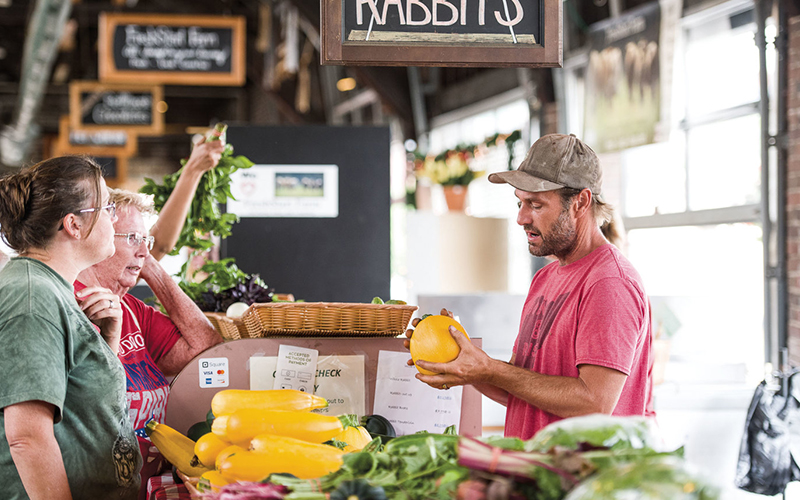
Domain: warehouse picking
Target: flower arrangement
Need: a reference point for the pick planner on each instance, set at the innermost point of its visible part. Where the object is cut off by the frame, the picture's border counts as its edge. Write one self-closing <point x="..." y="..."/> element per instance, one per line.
<point x="453" y="166"/>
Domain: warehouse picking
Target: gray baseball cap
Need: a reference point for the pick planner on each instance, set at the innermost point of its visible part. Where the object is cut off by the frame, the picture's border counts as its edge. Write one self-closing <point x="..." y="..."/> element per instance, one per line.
<point x="553" y="162"/>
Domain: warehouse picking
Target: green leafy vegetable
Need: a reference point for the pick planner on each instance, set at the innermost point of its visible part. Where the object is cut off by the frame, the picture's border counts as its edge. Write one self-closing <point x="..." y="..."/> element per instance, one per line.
<point x="205" y="217"/>
<point x="224" y="284"/>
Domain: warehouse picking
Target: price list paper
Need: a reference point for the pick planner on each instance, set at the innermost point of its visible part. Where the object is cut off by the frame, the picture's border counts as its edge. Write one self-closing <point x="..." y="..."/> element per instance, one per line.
<point x="409" y="404"/>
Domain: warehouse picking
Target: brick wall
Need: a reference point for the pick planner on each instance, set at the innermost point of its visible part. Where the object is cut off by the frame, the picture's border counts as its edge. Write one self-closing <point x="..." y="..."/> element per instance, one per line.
<point x="793" y="189"/>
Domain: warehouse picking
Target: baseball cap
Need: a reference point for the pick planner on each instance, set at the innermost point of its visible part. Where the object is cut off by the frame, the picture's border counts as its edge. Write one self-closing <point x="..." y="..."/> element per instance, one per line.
<point x="553" y="162"/>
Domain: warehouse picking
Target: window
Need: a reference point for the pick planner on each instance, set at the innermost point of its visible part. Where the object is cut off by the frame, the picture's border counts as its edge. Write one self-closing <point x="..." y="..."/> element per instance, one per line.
<point x="690" y="205"/>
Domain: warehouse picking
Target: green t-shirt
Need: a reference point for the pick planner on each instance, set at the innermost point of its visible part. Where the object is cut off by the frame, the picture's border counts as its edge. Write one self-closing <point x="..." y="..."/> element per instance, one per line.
<point x="50" y="351"/>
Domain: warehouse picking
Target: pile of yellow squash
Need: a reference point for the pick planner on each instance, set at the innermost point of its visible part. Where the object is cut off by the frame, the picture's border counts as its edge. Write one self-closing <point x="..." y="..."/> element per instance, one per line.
<point x="258" y="433"/>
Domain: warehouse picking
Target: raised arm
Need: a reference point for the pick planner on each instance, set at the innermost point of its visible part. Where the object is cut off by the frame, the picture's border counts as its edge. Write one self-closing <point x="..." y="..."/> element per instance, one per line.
<point x="167" y="228"/>
<point x="35" y="451"/>
<point x="197" y="333"/>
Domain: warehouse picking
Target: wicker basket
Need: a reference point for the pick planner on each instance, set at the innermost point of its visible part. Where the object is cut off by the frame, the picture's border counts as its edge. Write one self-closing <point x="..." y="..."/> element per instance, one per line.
<point x="228" y="328"/>
<point x="327" y="319"/>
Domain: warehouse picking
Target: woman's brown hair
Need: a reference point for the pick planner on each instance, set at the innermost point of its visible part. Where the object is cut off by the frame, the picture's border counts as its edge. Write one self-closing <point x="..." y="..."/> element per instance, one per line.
<point x="34" y="201"/>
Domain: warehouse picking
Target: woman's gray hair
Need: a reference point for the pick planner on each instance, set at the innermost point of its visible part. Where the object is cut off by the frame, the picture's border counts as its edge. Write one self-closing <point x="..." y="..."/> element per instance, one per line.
<point x="123" y="198"/>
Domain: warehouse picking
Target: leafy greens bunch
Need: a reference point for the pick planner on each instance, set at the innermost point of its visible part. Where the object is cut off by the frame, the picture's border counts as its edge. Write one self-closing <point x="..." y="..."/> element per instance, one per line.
<point x="224" y="284"/>
<point x="568" y="460"/>
<point x="412" y="467"/>
<point x="205" y="217"/>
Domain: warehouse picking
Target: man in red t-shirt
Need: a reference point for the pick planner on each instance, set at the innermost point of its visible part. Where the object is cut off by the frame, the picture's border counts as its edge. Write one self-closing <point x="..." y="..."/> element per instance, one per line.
<point x="584" y="343"/>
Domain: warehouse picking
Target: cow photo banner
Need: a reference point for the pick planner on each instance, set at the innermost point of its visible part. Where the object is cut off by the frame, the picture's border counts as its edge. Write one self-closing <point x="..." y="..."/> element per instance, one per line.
<point x="623" y="81"/>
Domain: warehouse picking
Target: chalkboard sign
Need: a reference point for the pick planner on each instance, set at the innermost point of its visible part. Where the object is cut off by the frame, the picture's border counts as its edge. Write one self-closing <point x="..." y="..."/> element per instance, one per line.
<point x="489" y="33"/>
<point x="115" y="167"/>
<point x="95" y="105"/>
<point x="177" y="49"/>
<point x="102" y="142"/>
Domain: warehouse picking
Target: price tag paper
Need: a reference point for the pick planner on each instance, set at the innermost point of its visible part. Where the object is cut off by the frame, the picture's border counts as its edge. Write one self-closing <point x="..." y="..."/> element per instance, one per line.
<point x="407" y="403"/>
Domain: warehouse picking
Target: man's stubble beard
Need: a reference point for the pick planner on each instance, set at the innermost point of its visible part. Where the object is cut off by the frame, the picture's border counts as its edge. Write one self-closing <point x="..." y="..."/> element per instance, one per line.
<point x="561" y="238"/>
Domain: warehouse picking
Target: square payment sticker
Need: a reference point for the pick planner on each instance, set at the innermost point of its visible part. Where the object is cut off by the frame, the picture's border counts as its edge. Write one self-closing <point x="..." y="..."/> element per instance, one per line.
<point x="213" y="372"/>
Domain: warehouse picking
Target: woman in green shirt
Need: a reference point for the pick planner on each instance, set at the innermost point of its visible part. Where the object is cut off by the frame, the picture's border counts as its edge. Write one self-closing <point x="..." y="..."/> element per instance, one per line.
<point x="64" y="429"/>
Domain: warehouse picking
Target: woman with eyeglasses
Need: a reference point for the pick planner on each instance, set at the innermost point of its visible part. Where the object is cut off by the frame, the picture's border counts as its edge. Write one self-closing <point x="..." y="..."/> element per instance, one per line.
<point x="64" y="421"/>
<point x="153" y="345"/>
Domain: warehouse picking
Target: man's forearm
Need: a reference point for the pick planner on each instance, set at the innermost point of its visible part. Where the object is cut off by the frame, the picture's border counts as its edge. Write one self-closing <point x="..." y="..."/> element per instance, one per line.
<point x="559" y="395"/>
<point x="493" y="392"/>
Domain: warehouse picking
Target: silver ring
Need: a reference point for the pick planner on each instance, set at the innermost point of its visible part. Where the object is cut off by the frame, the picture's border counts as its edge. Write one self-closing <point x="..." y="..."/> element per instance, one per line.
<point x="110" y="304"/>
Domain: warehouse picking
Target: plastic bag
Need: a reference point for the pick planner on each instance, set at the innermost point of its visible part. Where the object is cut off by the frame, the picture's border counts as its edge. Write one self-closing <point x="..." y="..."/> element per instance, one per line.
<point x="598" y="430"/>
<point x="771" y="442"/>
<point x="651" y="479"/>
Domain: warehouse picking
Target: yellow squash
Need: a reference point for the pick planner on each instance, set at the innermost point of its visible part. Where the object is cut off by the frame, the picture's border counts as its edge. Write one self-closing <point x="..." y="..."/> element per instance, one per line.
<point x="230" y="450"/>
<point x="245" y="424"/>
<point x="228" y="401"/>
<point x="211" y="481"/>
<point x="175" y="447"/>
<point x="355" y="437"/>
<point x="207" y="448"/>
<point x="219" y="427"/>
<point x="432" y="341"/>
<point x="273" y="454"/>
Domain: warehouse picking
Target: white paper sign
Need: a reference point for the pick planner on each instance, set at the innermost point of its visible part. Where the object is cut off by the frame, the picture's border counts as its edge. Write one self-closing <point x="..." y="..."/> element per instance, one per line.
<point x="407" y="403"/>
<point x="340" y="380"/>
<point x="296" y="368"/>
<point x="285" y="191"/>
<point x="213" y="372"/>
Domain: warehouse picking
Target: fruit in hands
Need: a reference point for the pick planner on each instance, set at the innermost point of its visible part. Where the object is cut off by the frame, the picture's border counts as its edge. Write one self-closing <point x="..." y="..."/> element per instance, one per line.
<point x="431" y="341"/>
<point x="228" y="401"/>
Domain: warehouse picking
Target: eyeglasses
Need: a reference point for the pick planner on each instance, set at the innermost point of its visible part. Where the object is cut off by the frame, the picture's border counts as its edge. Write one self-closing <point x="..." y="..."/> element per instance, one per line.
<point x="136" y="239"/>
<point x="111" y="208"/>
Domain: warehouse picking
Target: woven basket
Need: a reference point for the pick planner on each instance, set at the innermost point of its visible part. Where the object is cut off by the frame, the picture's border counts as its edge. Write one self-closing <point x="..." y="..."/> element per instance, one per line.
<point x="327" y="319"/>
<point x="228" y="328"/>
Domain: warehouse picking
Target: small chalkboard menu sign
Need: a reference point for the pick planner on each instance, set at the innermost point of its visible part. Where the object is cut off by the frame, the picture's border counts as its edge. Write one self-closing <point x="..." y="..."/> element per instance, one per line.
<point x="115" y="168"/>
<point x="109" y="106"/>
<point x="172" y="49"/>
<point x="93" y="142"/>
<point x="488" y="33"/>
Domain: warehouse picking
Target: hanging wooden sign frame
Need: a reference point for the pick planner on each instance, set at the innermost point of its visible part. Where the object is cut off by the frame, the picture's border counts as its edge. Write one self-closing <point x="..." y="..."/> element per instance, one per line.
<point x="172" y="49"/>
<point x="66" y="146"/>
<point x="480" y="33"/>
<point x="116" y="106"/>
